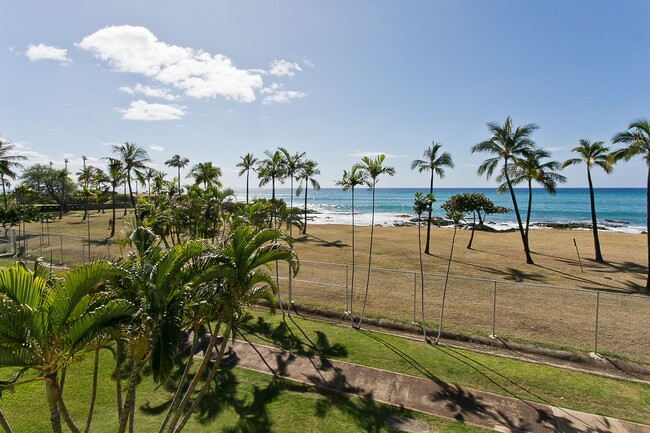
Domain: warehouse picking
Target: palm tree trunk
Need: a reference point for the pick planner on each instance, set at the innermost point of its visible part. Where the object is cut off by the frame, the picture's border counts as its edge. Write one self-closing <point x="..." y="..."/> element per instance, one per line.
<point x="179" y="179"/>
<point x="304" y="227"/>
<point x="471" y="237"/>
<point x="4" y="423"/>
<point x="183" y="380"/>
<point x="352" y="283"/>
<point x="208" y="381"/>
<point x="444" y="290"/>
<point x="125" y="202"/>
<point x="129" y="401"/>
<point x="530" y="205"/>
<point x="647" y="284"/>
<point x="426" y="248"/>
<point x="51" y="392"/>
<point x="372" y="231"/>
<point x="128" y="181"/>
<point x="118" y="379"/>
<point x="424" y="328"/>
<point x="93" y="394"/>
<point x="594" y="221"/>
<point x="197" y="376"/>
<point x="4" y="192"/>
<point x="113" y="220"/>
<point x="248" y="172"/>
<point x="524" y="239"/>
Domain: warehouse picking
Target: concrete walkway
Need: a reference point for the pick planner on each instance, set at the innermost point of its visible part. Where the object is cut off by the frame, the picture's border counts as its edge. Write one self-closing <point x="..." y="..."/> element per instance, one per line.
<point x="500" y="413"/>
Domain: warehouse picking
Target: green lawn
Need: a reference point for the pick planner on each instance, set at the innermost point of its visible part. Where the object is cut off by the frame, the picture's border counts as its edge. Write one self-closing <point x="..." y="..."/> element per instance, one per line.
<point x="529" y="381"/>
<point x="241" y="401"/>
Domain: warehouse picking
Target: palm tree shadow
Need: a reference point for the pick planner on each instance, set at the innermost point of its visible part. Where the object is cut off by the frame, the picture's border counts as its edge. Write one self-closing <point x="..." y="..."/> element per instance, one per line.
<point x="314" y="239"/>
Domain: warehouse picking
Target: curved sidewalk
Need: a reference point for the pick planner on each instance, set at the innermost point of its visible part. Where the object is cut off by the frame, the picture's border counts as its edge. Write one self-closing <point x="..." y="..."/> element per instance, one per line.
<point x="436" y="398"/>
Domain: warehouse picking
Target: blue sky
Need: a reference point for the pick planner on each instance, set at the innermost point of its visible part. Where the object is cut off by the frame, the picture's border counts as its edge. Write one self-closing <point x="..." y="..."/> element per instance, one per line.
<point x="213" y="80"/>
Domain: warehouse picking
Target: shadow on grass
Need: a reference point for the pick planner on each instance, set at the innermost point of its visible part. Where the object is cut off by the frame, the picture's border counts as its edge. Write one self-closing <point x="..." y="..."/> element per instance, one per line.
<point x="322" y="242"/>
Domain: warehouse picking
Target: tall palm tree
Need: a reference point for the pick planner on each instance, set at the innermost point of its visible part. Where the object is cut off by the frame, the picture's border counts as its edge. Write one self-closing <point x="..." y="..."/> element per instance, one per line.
<point x="146" y="176"/>
<point x="436" y="164"/>
<point x="292" y="164"/>
<point x="178" y="162"/>
<point x="637" y="137"/>
<point x="422" y="203"/>
<point x="592" y="154"/>
<point x="134" y="158"/>
<point x="84" y="176"/>
<point x="247" y="164"/>
<point x="507" y="143"/>
<point x="45" y="323"/>
<point x="242" y="265"/>
<point x="531" y="168"/>
<point x="351" y="179"/>
<point x="373" y="169"/>
<point x="8" y="163"/>
<point x="205" y="173"/>
<point x="306" y="174"/>
<point x="271" y="169"/>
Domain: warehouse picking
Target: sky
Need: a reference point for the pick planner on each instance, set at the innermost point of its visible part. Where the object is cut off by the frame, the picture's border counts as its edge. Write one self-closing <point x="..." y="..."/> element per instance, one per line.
<point x="213" y="80"/>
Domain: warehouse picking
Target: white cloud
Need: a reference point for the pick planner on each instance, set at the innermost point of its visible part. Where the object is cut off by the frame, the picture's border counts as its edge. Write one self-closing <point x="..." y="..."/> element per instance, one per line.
<point x="276" y="93"/>
<point x="46" y="52"/>
<point x="153" y="92"/>
<point x="195" y="72"/>
<point x="142" y="110"/>
<point x="156" y="147"/>
<point x="282" y="67"/>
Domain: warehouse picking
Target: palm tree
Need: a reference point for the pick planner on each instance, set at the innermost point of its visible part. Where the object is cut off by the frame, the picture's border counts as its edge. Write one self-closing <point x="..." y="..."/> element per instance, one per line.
<point x="306" y="174"/>
<point x="134" y="158"/>
<point x="436" y="164"/>
<point x="205" y="173"/>
<point x="422" y="203"/>
<point x="84" y="176"/>
<point x="46" y="323"/>
<point x="242" y="267"/>
<point x="530" y="168"/>
<point x="271" y="169"/>
<point x="146" y="176"/>
<point x="637" y="137"/>
<point x="354" y="177"/>
<point x="178" y="162"/>
<point x="115" y="174"/>
<point x="506" y="144"/>
<point x="373" y="169"/>
<point x="247" y="164"/>
<point x="592" y="154"/>
<point x="8" y="162"/>
<point x="292" y="163"/>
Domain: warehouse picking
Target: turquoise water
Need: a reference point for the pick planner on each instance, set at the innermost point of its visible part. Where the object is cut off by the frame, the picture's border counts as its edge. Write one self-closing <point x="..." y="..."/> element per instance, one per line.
<point x="622" y="209"/>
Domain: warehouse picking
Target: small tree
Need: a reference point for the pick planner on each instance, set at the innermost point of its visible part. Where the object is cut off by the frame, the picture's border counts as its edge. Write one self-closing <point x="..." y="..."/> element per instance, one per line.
<point x="475" y="203"/>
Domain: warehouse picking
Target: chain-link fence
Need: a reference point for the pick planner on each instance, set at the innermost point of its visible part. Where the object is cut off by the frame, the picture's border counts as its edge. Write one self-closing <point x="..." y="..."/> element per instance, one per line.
<point x="578" y="320"/>
<point x="609" y="323"/>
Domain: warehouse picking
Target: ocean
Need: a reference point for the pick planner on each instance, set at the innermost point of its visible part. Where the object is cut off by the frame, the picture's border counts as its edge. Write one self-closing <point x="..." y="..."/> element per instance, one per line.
<point x="617" y="209"/>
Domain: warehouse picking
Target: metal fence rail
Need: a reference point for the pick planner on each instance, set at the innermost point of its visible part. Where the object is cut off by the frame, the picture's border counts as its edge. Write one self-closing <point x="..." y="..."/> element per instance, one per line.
<point x="579" y="320"/>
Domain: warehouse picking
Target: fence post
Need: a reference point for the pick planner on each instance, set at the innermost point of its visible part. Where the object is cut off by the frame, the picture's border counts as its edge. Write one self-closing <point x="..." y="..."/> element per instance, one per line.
<point x="415" y="283"/>
<point x="494" y="311"/>
<point x="596" y="329"/>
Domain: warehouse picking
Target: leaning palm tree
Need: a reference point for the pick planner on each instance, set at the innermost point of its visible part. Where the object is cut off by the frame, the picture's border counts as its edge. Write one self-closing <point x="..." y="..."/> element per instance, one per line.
<point x="247" y="164"/>
<point x="133" y="158"/>
<point x="178" y="162"/>
<point x="436" y="164"/>
<point x="592" y="154"/>
<point x="306" y="174"/>
<point x="242" y="265"/>
<point x="8" y="163"/>
<point x="45" y="324"/>
<point x="373" y="169"/>
<point x="637" y="137"/>
<point x="206" y="173"/>
<point x="507" y="143"/>
<point x="354" y="177"/>
<point x="531" y="168"/>
<point x="421" y="203"/>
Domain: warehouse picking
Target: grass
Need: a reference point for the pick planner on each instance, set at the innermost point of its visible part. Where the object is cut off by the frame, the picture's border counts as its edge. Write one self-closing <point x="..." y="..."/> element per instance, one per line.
<point x="240" y="401"/>
<point x="524" y="380"/>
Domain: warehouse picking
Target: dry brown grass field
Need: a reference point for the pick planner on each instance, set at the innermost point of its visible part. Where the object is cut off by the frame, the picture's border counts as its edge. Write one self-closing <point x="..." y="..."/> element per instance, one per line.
<point x="527" y="308"/>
